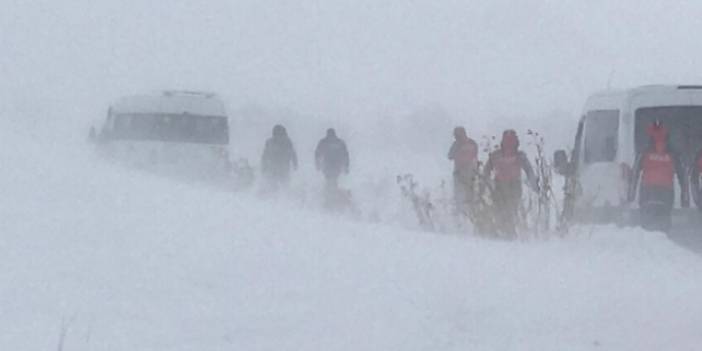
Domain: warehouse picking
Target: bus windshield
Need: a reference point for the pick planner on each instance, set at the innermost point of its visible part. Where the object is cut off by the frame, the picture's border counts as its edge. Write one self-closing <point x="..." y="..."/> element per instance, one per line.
<point x="684" y="124"/>
<point x="184" y="128"/>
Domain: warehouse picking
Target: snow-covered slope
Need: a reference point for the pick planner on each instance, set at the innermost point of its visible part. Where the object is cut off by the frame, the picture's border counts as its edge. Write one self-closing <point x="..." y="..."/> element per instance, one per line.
<point x="127" y="261"/>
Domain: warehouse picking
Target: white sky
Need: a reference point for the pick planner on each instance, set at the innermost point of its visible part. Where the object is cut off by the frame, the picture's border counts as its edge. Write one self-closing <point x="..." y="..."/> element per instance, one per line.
<point x="343" y="58"/>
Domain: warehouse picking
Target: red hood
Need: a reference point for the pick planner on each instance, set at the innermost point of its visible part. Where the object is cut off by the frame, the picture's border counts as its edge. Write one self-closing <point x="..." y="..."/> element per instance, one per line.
<point x="659" y="135"/>
<point x="510" y="142"/>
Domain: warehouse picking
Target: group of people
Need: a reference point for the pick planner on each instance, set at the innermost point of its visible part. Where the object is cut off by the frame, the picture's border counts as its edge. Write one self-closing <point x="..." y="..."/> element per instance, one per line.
<point x="280" y="159"/>
<point x="653" y="175"/>
<point x="502" y="173"/>
<point x="653" y="178"/>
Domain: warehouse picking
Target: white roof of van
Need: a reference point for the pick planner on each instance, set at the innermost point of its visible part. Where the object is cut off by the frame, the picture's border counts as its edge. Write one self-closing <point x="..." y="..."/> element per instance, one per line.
<point x="609" y="99"/>
<point x="652" y="88"/>
<point x="613" y="99"/>
<point x="171" y="102"/>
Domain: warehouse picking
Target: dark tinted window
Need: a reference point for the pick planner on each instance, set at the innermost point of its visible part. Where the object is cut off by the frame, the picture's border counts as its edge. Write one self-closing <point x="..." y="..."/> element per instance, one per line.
<point x="173" y="128"/>
<point x="601" y="134"/>
<point x="684" y="124"/>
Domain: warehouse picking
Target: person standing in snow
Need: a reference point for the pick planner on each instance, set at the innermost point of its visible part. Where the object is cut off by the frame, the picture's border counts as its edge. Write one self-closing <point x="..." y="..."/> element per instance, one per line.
<point x="656" y="167"/>
<point x="279" y="159"/>
<point x="464" y="154"/>
<point x="332" y="158"/>
<point x="507" y="164"/>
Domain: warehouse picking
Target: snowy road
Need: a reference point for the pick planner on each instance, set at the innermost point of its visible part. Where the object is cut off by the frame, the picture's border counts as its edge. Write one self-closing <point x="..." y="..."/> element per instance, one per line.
<point x="96" y="257"/>
<point x="130" y="261"/>
<point x="690" y="239"/>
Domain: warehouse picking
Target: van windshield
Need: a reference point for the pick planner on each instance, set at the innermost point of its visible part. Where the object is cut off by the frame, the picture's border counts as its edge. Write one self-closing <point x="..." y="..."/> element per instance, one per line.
<point x="684" y="124"/>
<point x="172" y="128"/>
<point x="601" y="130"/>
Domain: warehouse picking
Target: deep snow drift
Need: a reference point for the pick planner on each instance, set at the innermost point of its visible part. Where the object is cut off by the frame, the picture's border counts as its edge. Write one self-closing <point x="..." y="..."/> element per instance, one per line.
<point x="128" y="261"/>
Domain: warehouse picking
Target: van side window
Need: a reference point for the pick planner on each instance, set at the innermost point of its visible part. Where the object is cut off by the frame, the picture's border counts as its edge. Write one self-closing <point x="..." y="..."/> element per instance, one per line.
<point x="601" y="135"/>
<point x="684" y="128"/>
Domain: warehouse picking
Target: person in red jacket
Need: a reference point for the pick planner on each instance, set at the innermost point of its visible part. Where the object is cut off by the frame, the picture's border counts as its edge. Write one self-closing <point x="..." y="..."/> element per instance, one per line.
<point x="464" y="154"/>
<point x="507" y="164"/>
<point x="656" y="168"/>
<point x="696" y="179"/>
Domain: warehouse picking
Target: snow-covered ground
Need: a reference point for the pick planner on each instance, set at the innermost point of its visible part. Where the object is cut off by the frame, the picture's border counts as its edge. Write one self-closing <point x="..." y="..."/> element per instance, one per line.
<point x="124" y="260"/>
<point x="117" y="259"/>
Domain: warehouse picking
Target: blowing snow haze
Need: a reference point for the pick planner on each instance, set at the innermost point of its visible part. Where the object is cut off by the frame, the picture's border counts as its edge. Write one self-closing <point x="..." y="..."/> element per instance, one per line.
<point x="343" y="60"/>
<point x="98" y="256"/>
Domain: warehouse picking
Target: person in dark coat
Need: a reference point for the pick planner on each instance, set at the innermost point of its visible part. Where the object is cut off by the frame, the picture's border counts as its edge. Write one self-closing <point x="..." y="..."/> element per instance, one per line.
<point x="507" y="164"/>
<point x="279" y="159"/>
<point x="332" y="158"/>
<point x="464" y="154"/>
<point x="657" y="167"/>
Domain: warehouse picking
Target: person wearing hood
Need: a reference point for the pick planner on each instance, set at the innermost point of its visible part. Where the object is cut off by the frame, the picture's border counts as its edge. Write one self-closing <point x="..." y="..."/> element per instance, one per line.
<point x="507" y="164"/>
<point x="655" y="168"/>
<point x="332" y="158"/>
<point x="464" y="154"/>
<point x="279" y="158"/>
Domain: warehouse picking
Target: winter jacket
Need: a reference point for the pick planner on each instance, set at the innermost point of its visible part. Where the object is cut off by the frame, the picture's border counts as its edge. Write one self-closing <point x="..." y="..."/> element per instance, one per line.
<point x="278" y="157"/>
<point x="332" y="156"/>
<point x="657" y="170"/>
<point x="508" y="167"/>
<point x="464" y="154"/>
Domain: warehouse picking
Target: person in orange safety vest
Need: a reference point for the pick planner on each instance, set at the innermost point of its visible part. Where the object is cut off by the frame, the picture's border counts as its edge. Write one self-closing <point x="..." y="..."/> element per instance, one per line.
<point x="655" y="168"/>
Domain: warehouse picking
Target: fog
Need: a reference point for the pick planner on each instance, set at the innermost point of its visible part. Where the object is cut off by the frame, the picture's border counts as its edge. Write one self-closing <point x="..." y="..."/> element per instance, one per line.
<point x="103" y="257"/>
<point x="486" y="63"/>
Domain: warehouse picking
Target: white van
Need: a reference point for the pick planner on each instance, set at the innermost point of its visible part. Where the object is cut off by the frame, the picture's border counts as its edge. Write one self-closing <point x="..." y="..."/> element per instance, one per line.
<point x="610" y="133"/>
<point x="181" y="133"/>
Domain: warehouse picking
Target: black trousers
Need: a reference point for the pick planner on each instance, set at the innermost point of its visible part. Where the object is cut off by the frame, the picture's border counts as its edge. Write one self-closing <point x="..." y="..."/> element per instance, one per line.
<point x="656" y="207"/>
